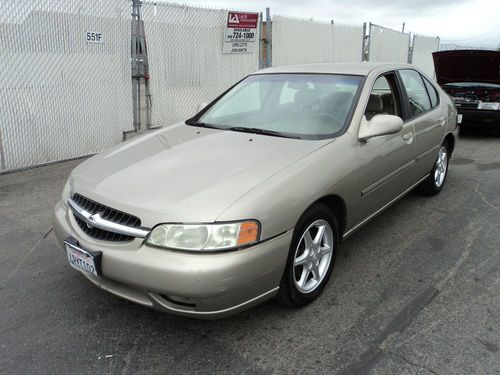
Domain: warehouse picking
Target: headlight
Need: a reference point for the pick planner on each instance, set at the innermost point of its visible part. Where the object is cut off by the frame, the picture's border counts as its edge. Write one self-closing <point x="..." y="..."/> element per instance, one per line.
<point x="204" y="237"/>
<point x="490" y="106"/>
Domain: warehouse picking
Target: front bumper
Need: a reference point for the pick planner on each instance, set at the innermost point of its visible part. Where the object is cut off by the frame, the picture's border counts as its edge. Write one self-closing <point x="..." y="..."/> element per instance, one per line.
<point x="199" y="285"/>
<point x="479" y="118"/>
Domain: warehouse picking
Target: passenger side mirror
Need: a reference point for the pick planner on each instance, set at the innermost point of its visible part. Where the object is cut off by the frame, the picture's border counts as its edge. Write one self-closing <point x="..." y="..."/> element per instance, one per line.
<point x="379" y="125"/>
<point x="200" y="107"/>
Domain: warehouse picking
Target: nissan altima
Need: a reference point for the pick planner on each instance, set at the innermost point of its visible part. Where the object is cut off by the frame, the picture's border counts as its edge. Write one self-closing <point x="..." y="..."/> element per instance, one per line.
<point x="250" y="198"/>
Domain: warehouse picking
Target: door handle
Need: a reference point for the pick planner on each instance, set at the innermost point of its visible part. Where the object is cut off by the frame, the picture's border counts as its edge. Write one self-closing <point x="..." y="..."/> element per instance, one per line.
<point x="408" y="138"/>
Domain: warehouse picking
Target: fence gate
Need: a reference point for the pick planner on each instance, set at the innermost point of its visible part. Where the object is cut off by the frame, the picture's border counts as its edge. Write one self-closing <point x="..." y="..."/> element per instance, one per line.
<point x="65" y="87"/>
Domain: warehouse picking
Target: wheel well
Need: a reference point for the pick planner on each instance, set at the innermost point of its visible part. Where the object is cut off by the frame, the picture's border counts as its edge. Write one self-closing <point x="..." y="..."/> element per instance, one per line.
<point x="451" y="142"/>
<point x="337" y="205"/>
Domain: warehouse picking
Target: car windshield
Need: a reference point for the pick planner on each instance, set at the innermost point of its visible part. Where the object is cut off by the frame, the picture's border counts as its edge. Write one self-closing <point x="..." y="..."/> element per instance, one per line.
<point x="306" y="106"/>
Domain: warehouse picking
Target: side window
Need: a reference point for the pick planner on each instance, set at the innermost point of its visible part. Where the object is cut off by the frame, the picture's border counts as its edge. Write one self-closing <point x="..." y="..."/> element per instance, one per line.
<point x="382" y="98"/>
<point x="432" y="92"/>
<point x="417" y="94"/>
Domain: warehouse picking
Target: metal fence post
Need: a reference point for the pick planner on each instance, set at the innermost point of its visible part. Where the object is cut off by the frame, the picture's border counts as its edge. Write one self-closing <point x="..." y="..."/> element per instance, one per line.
<point x="140" y="67"/>
<point x="268" y="38"/>
<point x="261" y="43"/>
<point x="333" y="40"/>
<point x="411" y="44"/>
<point x="365" y="53"/>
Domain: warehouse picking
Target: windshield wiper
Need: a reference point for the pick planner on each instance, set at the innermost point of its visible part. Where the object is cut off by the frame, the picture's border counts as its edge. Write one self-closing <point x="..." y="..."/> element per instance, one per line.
<point x="202" y="124"/>
<point x="260" y="131"/>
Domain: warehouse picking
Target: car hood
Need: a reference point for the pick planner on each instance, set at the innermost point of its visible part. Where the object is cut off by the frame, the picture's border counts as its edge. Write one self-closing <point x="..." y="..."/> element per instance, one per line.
<point x="467" y="66"/>
<point x="184" y="173"/>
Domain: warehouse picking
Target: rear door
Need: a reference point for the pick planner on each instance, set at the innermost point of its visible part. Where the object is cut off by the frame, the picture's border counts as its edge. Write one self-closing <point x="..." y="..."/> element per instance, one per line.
<point x="424" y="112"/>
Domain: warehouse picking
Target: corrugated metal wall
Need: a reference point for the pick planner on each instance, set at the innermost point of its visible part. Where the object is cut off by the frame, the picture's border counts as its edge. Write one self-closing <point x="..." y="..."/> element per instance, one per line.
<point x="61" y="96"/>
<point x="187" y="66"/>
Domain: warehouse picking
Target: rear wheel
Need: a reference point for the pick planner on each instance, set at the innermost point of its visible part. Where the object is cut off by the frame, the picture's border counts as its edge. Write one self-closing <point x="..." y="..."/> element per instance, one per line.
<point x="435" y="182"/>
<point x="311" y="257"/>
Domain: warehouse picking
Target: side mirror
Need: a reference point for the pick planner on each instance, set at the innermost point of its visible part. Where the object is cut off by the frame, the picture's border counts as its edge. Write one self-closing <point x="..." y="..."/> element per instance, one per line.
<point x="379" y="125"/>
<point x="200" y="107"/>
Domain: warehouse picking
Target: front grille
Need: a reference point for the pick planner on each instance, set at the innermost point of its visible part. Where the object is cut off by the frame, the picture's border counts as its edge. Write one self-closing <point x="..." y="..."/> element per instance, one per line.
<point x="106" y="213"/>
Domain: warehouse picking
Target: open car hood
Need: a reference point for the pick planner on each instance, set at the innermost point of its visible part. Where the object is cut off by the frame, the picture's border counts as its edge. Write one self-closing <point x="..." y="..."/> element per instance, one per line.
<point x="467" y="66"/>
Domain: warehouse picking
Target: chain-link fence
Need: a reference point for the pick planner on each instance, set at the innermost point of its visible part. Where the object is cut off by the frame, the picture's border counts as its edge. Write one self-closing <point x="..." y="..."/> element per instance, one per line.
<point x="347" y="42"/>
<point x="300" y="41"/>
<point x="297" y="41"/>
<point x="64" y="79"/>
<point x="187" y="65"/>
<point x="388" y="45"/>
<point x="422" y="50"/>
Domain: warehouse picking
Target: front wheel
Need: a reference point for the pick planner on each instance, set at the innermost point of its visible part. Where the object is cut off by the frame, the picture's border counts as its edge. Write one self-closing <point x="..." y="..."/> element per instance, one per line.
<point x="311" y="258"/>
<point x="435" y="182"/>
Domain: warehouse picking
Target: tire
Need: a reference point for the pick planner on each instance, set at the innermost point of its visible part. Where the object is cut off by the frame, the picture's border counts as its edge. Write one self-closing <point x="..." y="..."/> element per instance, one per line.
<point x="434" y="183"/>
<point x="297" y="290"/>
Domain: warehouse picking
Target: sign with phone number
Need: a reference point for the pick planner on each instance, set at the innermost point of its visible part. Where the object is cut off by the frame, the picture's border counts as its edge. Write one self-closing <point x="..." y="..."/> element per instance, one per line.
<point x="241" y="32"/>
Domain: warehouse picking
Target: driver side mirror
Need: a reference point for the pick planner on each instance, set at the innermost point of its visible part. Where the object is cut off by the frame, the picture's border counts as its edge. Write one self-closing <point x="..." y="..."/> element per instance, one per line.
<point x="200" y="107"/>
<point x="379" y="125"/>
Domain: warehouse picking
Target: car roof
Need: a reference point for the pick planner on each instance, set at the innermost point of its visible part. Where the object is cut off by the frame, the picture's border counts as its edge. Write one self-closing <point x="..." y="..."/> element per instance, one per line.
<point x="356" y="68"/>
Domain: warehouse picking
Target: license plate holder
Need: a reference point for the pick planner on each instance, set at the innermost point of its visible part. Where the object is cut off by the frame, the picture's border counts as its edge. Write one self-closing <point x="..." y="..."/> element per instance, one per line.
<point x="83" y="260"/>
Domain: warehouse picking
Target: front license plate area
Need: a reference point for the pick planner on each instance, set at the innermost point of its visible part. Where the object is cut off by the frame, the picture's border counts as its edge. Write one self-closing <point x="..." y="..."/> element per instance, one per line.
<point x="459" y="118"/>
<point x="83" y="260"/>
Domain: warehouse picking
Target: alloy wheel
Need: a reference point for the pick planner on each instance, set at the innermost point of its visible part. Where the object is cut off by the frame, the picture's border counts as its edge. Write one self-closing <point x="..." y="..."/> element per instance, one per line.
<point x="313" y="256"/>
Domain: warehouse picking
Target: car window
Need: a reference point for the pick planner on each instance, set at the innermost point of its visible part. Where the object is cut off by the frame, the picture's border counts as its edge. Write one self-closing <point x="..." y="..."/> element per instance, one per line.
<point x="382" y="98"/>
<point x="432" y="92"/>
<point x="308" y="106"/>
<point x="417" y="94"/>
<point x="289" y="90"/>
<point x="250" y="98"/>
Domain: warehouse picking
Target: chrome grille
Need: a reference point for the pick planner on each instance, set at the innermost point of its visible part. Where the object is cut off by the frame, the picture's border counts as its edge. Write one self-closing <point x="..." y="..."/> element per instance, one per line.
<point x="108" y="214"/>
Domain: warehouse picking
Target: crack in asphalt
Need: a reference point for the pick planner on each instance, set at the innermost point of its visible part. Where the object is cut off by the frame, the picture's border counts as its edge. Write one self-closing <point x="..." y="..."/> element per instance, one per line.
<point x="483" y="197"/>
<point x="407" y="315"/>
<point x="402" y="320"/>
<point x="16" y="269"/>
<point x="411" y="363"/>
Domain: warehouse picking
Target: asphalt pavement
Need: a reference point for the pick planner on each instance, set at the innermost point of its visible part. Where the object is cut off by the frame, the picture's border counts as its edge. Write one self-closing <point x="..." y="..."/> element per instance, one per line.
<point x="415" y="291"/>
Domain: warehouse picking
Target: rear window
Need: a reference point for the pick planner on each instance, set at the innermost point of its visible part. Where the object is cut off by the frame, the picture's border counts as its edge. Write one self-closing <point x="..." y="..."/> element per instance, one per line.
<point x="432" y="92"/>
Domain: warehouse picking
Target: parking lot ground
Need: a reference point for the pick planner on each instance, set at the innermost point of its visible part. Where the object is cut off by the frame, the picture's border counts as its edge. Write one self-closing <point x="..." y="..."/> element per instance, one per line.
<point x="416" y="291"/>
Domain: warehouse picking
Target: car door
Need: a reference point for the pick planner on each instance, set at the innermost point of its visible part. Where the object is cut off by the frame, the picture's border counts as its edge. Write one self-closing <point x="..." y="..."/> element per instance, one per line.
<point x="426" y="115"/>
<point x="386" y="163"/>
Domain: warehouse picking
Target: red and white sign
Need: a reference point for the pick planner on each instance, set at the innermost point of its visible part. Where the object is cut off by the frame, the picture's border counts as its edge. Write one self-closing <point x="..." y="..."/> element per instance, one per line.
<point x="241" y="32"/>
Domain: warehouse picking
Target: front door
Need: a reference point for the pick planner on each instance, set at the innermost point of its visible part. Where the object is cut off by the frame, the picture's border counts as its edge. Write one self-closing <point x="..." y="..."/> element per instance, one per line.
<point x="386" y="163"/>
